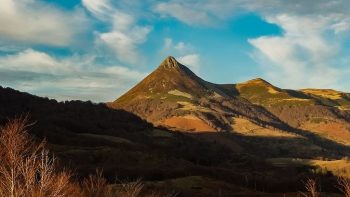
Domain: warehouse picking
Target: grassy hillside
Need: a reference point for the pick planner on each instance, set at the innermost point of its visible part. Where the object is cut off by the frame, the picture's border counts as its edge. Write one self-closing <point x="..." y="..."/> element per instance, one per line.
<point x="330" y="97"/>
<point x="259" y="91"/>
<point x="320" y="111"/>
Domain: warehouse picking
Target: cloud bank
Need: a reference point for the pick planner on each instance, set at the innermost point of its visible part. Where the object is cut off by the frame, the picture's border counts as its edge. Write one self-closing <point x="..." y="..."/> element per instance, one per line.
<point x="74" y="77"/>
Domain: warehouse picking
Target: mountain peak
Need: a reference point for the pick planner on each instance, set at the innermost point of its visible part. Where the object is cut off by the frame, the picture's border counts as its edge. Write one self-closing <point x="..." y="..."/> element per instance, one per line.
<point x="170" y="62"/>
<point x="258" y="81"/>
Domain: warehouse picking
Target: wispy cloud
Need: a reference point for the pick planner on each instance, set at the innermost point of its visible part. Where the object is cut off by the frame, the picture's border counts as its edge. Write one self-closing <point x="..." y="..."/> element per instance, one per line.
<point x="187" y="13"/>
<point x="207" y="12"/>
<point x="308" y="52"/>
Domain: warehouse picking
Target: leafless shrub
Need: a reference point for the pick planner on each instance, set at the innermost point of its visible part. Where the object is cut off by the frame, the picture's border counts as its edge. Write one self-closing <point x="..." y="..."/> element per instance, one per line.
<point x="344" y="186"/>
<point x="131" y="189"/>
<point x="25" y="166"/>
<point x="311" y="189"/>
<point x="96" y="186"/>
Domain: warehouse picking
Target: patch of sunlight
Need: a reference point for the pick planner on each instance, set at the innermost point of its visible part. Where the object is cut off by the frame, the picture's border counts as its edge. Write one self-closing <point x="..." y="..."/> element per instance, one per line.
<point x="325" y="93"/>
<point x="179" y="93"/>
<point x="187" y="106"/>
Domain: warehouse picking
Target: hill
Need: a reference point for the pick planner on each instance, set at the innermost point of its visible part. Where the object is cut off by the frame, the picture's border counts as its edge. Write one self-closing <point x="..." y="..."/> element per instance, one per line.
<point x="321" y="111"/>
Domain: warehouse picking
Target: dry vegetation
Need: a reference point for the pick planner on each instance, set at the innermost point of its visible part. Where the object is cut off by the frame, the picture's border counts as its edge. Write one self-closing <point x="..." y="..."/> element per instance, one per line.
<point x="344" y="186"/>
<point x="311" y="188"/>
<point x="27" y="169"/>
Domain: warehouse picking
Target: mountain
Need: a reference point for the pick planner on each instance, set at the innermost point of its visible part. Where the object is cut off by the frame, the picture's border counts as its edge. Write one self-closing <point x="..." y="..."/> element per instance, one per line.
<point x="174" y="97"/>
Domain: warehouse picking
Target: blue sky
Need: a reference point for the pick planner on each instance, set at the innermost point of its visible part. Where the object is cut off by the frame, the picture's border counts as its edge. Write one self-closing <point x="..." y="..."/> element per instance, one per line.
<point x="97" y="50"/>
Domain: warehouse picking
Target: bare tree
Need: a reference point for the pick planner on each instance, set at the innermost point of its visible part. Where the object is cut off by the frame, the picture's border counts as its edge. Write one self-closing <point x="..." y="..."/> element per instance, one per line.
<point x="25" y="166"/>
<point x="311" y="188"/>
<point x="344" y="186"/>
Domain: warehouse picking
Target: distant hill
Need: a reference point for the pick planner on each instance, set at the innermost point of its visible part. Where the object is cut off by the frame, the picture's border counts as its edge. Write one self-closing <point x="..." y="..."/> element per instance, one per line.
<point x="70" y="116"/>
<point x="321" y="111"/>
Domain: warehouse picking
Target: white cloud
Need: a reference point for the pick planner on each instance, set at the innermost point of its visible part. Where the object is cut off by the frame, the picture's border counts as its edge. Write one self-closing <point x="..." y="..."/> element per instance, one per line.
<point x="192" y="61"/>
<point x="124" y="35"/>
<point x="75" y="77"/>
<point x="125" y="42"/>
<point x="303" y="56"/>
<point x="35" y="22"/>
